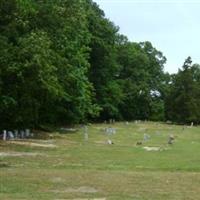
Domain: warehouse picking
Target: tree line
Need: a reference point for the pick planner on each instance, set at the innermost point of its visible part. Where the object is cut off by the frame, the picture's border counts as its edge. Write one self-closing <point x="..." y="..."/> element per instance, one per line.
<point x="64" y="62"/>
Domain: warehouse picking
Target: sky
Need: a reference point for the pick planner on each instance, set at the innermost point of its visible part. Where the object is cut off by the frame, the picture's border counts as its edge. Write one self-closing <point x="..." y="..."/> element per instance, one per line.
<point x="172" y="26"/>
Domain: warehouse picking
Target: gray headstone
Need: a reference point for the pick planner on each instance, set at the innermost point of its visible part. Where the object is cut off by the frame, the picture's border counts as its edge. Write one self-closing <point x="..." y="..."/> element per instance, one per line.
<point x="146" y="137"/>
<point x="85" y="133"/>
<point x="110" y="131"/>
<point x="4" y="135"/>
<point x="171" y="139"/>
<point x="11" y="135"/>
<point x="27" y="133"/>
<point x="22" y="134"/>
<point x="16" y="133"/>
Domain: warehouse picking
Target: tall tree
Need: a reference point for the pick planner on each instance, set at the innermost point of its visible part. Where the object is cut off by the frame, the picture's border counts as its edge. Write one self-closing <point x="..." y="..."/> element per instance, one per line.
<point x="141" y="76"/>
<point x="44" y="63"/>
<point x="183" y="100"/>
<point x="104" y="69"/>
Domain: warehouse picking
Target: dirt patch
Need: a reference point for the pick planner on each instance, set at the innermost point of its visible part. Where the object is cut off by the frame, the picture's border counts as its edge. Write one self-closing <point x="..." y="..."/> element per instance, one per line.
<point x="16" y="154"/>
<point x="92" y="199"/>
<point x="32" y="144"/>
<point x="152" y="148"/>
<point x="155" y="148"/>
<point x="83" y="189"/>
<point x="100" y="142"/>
<point x="84" y="199"/>
<point x="57" y="180"/>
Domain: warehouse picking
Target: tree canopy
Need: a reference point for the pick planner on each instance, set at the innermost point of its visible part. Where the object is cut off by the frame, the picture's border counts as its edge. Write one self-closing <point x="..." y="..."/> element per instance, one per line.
<point x="63" y="62"/>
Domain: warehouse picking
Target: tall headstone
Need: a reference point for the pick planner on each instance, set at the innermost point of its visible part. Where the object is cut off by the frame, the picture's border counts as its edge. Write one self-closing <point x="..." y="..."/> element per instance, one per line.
<point x="11" y="135"/>
<point x="22" y="134"/>
<point x="4" y="135"/>
<point x="85" y="133"/>
<point x="171" y="139"/>
<point x="16" y="134"/>
<point x="27" y="133"/>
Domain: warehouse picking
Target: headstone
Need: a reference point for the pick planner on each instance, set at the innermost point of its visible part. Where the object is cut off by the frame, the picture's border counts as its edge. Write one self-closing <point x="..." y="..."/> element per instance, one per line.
<point x="110" y="131"/>
<point x="192" y="124"/>
<point x="11" y="135"/>
<point x="171" y="139"/>
<point x="85" y="133"/>
<point x="127" y="123"/>
<point x="113" y="131"/>
<point x="22" y="134"/>
<point x="4" y="135"/>
<point x="16" y="133"/>
<point x="146" y="137"/>
<point x="110" y="142"/>
<point x="27" y="133"/>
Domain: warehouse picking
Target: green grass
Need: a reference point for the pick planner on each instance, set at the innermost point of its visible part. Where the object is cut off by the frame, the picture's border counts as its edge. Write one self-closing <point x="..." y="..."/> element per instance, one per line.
<point x="115" y="172"/>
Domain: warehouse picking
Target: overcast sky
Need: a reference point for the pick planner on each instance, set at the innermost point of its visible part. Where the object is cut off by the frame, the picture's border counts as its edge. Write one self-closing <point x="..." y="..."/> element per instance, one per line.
<point x="172" y="26"/>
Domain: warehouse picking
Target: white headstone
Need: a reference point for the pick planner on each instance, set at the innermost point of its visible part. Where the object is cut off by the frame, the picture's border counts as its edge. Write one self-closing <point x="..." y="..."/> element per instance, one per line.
<point x="110" y="142"/>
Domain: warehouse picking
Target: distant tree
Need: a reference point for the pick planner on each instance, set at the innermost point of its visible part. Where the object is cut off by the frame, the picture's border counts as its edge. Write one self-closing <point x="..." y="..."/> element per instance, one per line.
<point x="183" y="102"/>
<point x="141" y="75"/>
<point x="104" y="69"/>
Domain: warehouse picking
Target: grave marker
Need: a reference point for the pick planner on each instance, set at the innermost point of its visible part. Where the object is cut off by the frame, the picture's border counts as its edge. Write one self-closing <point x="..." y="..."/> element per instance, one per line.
<point x="27" y="133"/>
<point x="85" y="133"/>
<point x="11" y="135"/>
<point x="146" y="137"/>
<point x="16" y="133"/>
<point x="22" y="134"/>
<point x="4" y="135"/>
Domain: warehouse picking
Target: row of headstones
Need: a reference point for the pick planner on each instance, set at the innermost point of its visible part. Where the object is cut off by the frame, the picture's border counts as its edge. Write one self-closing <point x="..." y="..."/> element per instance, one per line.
<point x="110" y="121"/>
<point x="110" y="131"/>
<point x="22" y="134"/>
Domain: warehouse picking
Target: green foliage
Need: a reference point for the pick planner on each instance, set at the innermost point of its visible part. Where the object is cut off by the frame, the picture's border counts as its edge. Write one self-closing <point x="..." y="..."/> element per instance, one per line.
<point x="184" y="97"/>
<point x="141" y="76"/>
<point x="44" y="63"/>
<point x="64" y="62"/>
<point x="104" y="67"/>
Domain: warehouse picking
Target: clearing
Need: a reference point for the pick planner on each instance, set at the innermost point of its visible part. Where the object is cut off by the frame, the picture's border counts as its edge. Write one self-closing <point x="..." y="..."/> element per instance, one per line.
<point x="138" y="165"/>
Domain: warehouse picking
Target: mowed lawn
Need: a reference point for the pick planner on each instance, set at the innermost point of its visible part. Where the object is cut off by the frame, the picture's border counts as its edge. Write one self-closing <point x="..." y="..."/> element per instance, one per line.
<point x="67" y="167"/>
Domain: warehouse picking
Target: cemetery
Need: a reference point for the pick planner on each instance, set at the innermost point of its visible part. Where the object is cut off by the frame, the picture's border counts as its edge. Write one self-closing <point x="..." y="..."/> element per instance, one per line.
<point x="99" y="100"/>
<point x="108" y="161"/>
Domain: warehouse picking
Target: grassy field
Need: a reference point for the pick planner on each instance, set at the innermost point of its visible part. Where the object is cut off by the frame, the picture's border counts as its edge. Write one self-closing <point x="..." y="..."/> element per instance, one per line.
<point x="67" y="167"/>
